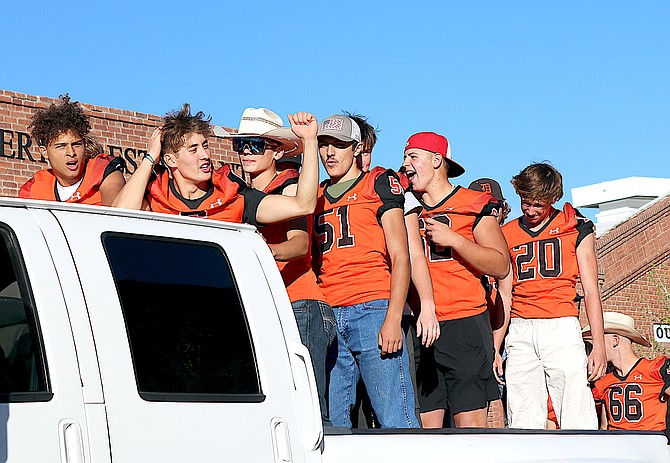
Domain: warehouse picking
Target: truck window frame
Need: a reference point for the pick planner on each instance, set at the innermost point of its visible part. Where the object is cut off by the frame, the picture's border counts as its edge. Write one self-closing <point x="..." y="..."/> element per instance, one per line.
<point x="9" y="240"/>
<point x="158" y="396"/>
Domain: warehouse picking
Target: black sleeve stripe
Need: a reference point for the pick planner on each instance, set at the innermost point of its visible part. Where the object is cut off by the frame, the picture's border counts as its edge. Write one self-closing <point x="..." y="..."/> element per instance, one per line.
<point x="490" y="209"/>
<point x="585" y="227"/>
<point x="252" y="199"/>
<point x="389" y="199"/>
<point x="115" y="164"/>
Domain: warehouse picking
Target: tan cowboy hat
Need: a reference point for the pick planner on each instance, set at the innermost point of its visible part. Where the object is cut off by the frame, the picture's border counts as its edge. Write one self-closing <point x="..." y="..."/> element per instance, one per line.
<point x="621" y="324"/>
<point x="261" y="122"/>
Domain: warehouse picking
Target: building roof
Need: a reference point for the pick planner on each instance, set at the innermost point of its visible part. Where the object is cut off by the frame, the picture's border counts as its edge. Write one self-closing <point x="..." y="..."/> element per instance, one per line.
<point x="615" y="190"/>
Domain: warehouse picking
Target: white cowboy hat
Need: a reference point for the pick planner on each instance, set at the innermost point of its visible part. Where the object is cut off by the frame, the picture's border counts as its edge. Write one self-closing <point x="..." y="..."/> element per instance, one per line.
<point x="618" y="323"/>
<point x="261" y="122"/>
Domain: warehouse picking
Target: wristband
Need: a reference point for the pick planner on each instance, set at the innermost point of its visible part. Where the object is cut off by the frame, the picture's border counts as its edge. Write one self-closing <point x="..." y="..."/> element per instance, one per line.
<point x="149" y="157"/>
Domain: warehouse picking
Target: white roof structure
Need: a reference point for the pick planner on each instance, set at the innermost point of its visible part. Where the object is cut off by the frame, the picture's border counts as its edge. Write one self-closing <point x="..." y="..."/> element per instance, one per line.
<point x="619" y="199"/>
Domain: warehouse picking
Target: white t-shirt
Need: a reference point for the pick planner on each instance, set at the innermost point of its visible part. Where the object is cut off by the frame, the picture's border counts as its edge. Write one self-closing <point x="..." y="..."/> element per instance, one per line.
<point x="64" y="192"/>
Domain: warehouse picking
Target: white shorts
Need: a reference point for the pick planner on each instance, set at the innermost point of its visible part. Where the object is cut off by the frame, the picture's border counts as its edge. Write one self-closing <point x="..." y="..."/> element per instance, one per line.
<point x="547" y="356"/>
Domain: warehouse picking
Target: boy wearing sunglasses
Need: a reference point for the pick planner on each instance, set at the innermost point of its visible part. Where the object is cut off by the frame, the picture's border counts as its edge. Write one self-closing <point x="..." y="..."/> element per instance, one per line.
<point x="189" y="185"/>
<point x="362" y="266"/>
<point x="261" y="142"/>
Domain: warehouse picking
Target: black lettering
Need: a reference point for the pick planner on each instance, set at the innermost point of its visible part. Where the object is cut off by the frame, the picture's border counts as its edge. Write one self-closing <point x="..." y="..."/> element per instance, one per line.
<point x="112" y="148"/>
<point x="346" y="240"/>
<point x="434" y="251"/>
<point x="659" y="332"/>
<point x="7" y="143"/>
<point x="667" y="333"/>
<point x="130" y="159"/>
<point x="24" y="143"/>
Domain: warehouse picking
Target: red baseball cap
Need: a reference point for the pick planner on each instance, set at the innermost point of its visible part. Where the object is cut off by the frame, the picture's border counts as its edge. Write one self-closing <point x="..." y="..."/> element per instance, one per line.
<point x="435" y="143"/>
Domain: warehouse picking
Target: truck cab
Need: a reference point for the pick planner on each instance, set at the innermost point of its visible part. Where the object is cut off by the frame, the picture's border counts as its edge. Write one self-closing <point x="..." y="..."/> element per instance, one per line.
<point x="130" y="337"/>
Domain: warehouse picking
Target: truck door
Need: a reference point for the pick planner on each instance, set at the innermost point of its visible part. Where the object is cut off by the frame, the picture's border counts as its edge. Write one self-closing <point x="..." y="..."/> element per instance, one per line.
<point x="193" y="363"/>
<point x="42" y="415"/>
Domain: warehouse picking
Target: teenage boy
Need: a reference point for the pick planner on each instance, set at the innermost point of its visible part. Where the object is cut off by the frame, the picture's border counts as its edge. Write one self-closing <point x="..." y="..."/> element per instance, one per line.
<point x="636" y="393"/>
<point x="463" y="242"/>
<point x="191" y="186"/>
<point x="289" y="241"/>
<point x="363" y="270"/>
<point x="545" y="352"/>
<point x="74" y="176"/>
<point x="427" y="326"/>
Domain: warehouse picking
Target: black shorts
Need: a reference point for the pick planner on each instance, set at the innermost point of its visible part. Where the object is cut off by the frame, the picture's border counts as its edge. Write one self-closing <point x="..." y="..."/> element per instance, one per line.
<point x="456" y="372"/>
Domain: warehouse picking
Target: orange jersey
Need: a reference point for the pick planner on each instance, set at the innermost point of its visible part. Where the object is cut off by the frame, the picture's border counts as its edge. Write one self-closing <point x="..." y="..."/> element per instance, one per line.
<point x="633" y="401"/>
<point x="43" y="184"/>
<point x="457" y="286"/>
<point x="298" y="275"/>
<point x="228" y="199"/>
<point x="545" y="264"/>
<point x="352" y="262"/>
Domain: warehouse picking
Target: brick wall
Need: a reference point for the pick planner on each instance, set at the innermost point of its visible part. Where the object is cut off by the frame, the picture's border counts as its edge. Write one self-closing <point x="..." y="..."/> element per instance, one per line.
<point x="122" y="133"/>
<point x="634" y="257"/>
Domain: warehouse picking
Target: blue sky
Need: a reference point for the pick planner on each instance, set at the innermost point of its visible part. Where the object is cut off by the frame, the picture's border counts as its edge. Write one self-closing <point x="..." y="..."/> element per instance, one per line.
<point x="584" y="85"/>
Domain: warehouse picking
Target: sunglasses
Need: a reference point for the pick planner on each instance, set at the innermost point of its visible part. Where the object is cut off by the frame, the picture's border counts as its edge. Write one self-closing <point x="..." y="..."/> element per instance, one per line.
<point x="255" y="145"/>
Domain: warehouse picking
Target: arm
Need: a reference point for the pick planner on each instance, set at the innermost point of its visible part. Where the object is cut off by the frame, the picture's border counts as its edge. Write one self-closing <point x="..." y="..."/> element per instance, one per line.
<point x="296" y="244"/>
<point x="277" y="208"/>
<point x="488" y="253"/>
<point x="588" y="275"/>
<point x="390" y="334"/>
<point x="131" y="195"/>
<point x="111" y="186"/>
<point x="603" y="418"/>
<point x="297" y="238"/>
<point x="427" y="325"/>
<point x="505" y="295"/>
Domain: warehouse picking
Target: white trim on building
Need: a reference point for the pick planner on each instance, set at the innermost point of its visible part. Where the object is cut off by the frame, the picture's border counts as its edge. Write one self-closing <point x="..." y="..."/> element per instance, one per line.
<point x="619" y="199"/>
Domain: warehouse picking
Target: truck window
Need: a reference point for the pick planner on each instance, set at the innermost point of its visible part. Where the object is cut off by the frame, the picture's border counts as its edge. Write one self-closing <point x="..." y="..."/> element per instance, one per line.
<point x="23" y="376"/>
<point x="188" y="333"/>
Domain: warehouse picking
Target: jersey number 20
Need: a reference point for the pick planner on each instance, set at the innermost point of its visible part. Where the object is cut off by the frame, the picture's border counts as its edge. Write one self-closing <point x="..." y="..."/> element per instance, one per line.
<point x="548" y="254"/>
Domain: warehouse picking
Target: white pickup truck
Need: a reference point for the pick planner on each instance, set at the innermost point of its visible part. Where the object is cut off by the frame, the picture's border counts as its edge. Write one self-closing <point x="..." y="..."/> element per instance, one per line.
<point x="139" y="337"/>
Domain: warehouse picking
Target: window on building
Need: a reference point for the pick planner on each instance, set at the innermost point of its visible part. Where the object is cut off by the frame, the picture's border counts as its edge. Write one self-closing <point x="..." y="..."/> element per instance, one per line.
<point x="187" y="329"/>
<point x="23" y="375"/>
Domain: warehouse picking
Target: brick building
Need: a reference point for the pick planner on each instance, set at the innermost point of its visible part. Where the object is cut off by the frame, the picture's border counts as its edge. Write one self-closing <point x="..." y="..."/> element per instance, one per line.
<point x="634" y="256"/>
<point x="634" y="261"/>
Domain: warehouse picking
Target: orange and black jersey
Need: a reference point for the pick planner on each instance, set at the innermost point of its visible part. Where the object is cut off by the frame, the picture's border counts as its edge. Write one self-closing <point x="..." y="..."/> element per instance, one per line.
<point x="633" y="401"/>
<point x="350" y="257"/>
<point x="457" y="285"/>
<point x="43" y="185"/>
<point x="545" y="264"/>
<point x="297" y="274"/>
<point x="228" y="198"/>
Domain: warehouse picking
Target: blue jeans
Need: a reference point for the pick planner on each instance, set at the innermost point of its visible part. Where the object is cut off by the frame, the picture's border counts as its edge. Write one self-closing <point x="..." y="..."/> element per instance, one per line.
<point x="356" y="354"/>
<point x="316" y="324"/>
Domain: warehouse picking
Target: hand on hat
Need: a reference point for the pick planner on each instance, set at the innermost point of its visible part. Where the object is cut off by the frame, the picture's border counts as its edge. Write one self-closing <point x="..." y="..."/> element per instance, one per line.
<point x="304" y="125"/>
